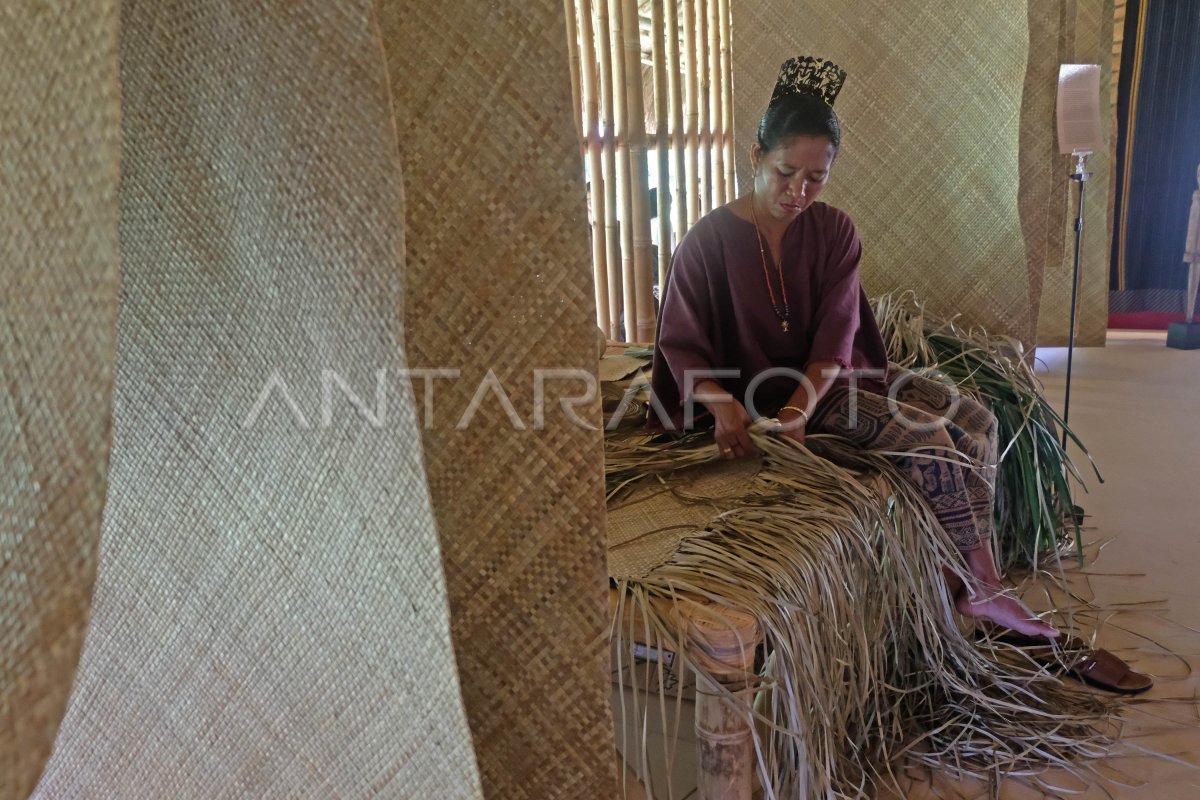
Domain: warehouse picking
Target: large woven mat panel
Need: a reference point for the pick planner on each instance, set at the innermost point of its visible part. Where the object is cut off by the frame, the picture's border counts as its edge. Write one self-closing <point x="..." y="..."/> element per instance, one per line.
<point x="500" y="280"/>
<point x="59" y="148"/>
<point x="929" y="167"/>
<point x="1043" y="188"/>
<point x="270" y="617"/>
<point x="1085" y="37"/>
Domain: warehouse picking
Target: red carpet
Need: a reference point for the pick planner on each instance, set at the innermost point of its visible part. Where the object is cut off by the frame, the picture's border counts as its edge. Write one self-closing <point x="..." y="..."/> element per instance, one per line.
<point x="1144" y="320"/>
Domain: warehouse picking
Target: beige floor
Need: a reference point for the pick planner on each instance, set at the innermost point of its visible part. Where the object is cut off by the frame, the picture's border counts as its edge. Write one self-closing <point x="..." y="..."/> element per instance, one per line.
<point x="1136" y="405"/>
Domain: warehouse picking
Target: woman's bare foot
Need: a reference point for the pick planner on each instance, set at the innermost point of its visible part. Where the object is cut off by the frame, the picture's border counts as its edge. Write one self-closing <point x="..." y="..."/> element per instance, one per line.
<point x="987" y="598"/>
<point x="993" y="604"/>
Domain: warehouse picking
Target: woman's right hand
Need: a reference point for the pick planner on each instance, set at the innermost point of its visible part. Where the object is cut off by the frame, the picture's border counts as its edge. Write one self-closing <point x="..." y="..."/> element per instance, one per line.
<point x="733" y="429"/>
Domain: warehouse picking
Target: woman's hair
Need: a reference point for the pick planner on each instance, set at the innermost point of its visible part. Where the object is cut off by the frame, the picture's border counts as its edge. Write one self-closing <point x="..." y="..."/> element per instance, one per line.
<point x="798" y="115"/>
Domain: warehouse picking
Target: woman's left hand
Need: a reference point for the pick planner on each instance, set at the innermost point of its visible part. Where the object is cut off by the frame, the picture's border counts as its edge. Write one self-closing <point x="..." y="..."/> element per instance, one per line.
<point x="793" y="426"/>
<point x="795" y="434"/>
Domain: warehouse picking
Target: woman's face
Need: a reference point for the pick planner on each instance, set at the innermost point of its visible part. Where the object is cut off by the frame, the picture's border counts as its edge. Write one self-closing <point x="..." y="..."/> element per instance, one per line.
<point x="789" y="178"/>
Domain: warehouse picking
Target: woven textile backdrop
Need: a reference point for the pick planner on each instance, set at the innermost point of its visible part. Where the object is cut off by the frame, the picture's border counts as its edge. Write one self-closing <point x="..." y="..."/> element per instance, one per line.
<point x="59" y="142"/>
<point x="930" y="113"/>
<point x="949" y="164"/>
<point x="1043" y="184"/>
<point x="270" y="618"/>
<point x="500" y="279"/>
<point x="1085" y="35"/>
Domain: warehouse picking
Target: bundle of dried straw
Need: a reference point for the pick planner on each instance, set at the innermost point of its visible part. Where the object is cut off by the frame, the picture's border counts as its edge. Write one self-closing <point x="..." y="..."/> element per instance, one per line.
<point x="865" y="667"/>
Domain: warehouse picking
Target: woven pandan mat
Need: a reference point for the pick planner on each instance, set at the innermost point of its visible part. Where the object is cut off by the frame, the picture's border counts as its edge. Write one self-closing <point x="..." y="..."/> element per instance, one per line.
<point x="929" y="167"/>
<point x="1084" y="36"/>
<point x="59" y="140"/>
<point x="270" y="617"/>
<point x="647" y="525"/>
<point x="1043" y="189"/>
<point x="833" y="552"/>
<point x="500" y="279"/>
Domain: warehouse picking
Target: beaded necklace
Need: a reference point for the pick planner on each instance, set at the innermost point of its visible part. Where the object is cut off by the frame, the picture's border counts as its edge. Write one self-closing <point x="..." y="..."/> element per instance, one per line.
<point x="762" y="251"/>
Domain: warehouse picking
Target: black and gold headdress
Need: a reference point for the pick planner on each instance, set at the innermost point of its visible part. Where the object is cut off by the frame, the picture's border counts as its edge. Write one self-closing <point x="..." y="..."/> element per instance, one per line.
<point x="809" y="75"/>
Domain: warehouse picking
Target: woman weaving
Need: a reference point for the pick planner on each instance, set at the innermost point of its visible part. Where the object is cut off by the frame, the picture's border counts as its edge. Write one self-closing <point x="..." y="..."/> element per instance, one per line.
<point x="765" y="290"/>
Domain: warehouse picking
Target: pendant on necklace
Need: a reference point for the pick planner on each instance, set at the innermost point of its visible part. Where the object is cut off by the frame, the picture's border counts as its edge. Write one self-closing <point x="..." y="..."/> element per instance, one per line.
<point x="784" y="324"/>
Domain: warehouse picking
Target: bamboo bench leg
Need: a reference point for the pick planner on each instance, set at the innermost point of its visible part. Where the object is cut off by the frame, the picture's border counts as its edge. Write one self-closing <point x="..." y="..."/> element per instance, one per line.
<point x="724" y="643"/>
<point x="726" y="747"/>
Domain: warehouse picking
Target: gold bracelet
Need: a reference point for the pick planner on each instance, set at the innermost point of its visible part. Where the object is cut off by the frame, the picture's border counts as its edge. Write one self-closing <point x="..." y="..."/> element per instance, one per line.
<point x="798" y="410"/>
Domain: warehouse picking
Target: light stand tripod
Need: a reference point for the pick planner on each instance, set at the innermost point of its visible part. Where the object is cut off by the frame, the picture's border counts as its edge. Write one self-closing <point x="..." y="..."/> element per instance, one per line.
<point x="1080" y="176"/>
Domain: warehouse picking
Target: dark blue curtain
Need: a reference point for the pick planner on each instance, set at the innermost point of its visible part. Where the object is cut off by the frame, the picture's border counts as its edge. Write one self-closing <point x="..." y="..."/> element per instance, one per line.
<point x="1157" y="155"/>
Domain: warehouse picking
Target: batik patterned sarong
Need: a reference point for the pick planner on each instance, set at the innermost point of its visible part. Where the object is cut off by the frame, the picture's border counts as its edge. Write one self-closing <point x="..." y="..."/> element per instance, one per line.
<point x="948" y="441"/>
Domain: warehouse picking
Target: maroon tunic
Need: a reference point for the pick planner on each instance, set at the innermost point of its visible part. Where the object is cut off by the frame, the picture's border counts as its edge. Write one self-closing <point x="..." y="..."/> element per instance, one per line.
<point x="717" y="314"/>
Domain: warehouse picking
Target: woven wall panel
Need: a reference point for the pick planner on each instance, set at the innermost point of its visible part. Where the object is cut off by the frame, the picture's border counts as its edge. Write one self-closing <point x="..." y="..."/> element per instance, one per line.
<point x="1086" y="37"/>
<point x="500" y="279"/>
<point x="929" y="165"/>
<point x="59" y="143"/>
<point x="1043" y="187"/>
<point x="270" y="618"/>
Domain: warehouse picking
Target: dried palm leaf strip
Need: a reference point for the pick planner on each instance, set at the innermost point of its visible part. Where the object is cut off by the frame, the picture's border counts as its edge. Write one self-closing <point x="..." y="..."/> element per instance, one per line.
<point x="840" y="560"/>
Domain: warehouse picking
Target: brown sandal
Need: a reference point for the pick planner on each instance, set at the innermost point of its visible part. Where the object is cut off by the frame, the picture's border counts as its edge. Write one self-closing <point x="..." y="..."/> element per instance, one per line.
<point x="1097" y="667"/>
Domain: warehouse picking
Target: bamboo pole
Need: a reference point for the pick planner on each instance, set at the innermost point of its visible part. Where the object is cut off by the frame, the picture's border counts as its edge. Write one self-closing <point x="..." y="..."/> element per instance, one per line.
<point x="687" y="23"/>
<point x="638" y="192"/>
<point x="674" y="91"/>
<point x="573" y="60"/>
<point x="703" y="124"/>
<point x="616" y="37"/>
<point x="662" y="141"/>
<point x="589" y="97"/>
<point x="727" y="101"/>
<point x="608" y="180"/>
<point x="716" y="93"/>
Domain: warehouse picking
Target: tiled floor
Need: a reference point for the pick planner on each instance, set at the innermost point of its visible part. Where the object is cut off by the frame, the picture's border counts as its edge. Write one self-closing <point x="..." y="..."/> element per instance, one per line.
<point x="1136" y="405"/>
